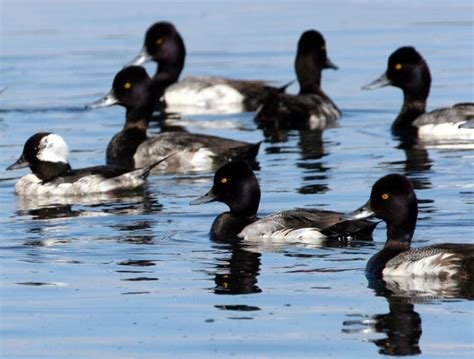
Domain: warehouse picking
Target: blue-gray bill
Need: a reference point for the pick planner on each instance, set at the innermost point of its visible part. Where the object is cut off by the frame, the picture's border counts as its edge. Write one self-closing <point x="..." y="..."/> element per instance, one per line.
<point x="360" y="213"/>
<point x="208" y="197"/>
<point x="105" y="101"/>
<point x="20" y="163"/>
<point x="380" y="82"/>
<point x="142" y="57"/>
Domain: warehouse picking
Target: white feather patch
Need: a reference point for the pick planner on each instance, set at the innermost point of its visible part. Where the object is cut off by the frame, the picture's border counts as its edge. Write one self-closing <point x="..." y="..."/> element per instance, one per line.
<point x="30" y="185"/>
<point x="203" y="96"/>
<point x="53" y="148"/>
<point x="448" y="130"/>
<point x="203" y="159"/>
<point x="440" y="264"/>
<point x="285" y="235"/>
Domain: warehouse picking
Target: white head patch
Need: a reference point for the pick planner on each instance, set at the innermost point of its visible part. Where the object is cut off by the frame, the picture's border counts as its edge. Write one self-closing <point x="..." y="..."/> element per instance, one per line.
<point x="52" y="148"/>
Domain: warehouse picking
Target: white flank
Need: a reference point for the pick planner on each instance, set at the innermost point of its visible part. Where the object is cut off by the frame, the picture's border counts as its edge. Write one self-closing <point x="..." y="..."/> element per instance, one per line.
<point x="308" y="235"/>
<point x="317" y="123"/>
<point x="30" y="185"/>
<point x="425" y="267"/>
<point x="203" y="159"/>
<point x="448" y="130"/>
<point x="203" y="96"/>
<point x="52" y="148"/>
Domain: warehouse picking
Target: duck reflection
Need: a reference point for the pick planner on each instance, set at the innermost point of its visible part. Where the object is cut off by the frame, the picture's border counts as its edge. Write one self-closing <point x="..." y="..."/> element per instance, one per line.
<point x="402" y="325"/>
<point x="236" y="271"/>
<point x="311" y="148"/>
<point x="417" y="164"/>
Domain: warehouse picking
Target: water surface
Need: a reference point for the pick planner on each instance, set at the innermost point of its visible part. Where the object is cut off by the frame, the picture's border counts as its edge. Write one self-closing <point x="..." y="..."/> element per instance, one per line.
<point x="137" y="276"/>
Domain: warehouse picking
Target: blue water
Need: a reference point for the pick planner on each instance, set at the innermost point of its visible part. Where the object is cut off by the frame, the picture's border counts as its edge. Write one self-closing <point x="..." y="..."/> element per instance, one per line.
<point x="137" y="276"/>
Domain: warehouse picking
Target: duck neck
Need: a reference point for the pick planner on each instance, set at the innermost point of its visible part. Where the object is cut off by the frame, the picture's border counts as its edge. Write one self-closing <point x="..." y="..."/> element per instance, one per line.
<point x="124" y="144"/>
<point x="169" y="69"/>
<point x="48" y="171"/>
<point x="138" y="117"/>
<point x="308" y="73"/>
<point x="412" y="108"/>
<point x="415" y="94"/>
<point x="246" y="206"/>
<point x="400" y="232"/>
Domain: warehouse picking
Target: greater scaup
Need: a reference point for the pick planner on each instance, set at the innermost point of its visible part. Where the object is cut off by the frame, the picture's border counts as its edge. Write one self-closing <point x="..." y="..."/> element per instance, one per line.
<point x="235" y="184"/>
<point x="408" y="70"/>
<point x="311" y="108"/>
<point x="393" y="200"/>
<point x="164" y="45"/>
<point x="133" y="89"/>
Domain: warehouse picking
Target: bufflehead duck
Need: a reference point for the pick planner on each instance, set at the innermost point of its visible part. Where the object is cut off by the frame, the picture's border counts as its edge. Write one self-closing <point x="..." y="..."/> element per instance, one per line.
<point x="408" y="71"/>
<point x="133" y="89"/>
<point x="393" y="200"/>
<point x="47" y="155"/>
<point x="235" y="184"/>
<point x="311" y="108"/>
<point x="164" y="45"/>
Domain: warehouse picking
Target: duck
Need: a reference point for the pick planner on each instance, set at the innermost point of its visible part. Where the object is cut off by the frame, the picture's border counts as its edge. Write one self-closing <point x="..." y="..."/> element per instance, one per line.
<point x="47" y="156"/>
<point x="133" y="89"/>
<point x="393" y="200"/>
<point x="236" y="185"/>
<point x="164" y="45"/>
<point x="311" y="108"/>
<point x="408" y="70"/>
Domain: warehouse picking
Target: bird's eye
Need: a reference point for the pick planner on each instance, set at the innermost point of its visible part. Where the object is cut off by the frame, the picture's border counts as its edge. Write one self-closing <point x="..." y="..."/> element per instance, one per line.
<point x="385" y="196"/>
<point x="398" y="67"/>
<point x="323" y="47"/>
<point x="127" y="85"/>
<point x="224" y="180"/>
<point x="160" y="41"/>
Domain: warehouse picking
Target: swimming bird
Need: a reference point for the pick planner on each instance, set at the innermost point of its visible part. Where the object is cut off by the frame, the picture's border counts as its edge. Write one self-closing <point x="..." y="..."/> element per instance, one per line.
<point x="311" y="108"/>
<point x="164" y="45"/>
<point x="393" y="200"/>
<point x="408" y="70"/>
<point x="133" y="89"/>
<point x="47" y="155"/>
<point x="235" y="185"/>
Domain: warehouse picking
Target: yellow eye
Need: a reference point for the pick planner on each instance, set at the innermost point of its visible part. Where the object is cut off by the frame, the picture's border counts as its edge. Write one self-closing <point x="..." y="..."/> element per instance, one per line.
<point x="398" y="67"/>
<point x="224" y="180"/>
<point x="323" y="47"/>
<point x="385" y="196"/>
<point x="127" y="85"/>
<point x="159" y="41"/>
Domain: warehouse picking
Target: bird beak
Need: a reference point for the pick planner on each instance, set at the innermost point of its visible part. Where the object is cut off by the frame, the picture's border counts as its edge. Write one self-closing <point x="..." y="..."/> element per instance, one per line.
<point x="105" y="101"/>
<point x="330" y="65"/>
<point x="380" y="82"/>
<point x="142" y="57"/>
<point x="208" y="197"/>
<point x="20" y="163"/>
<point x="360" y="213"/>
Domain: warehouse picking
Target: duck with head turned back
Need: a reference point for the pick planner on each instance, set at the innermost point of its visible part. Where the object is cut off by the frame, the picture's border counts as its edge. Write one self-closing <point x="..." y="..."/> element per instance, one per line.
<point x="164" y="45"/>
<point x="311" y="108"/>
<point x="235" y="184"/>
<point x="47" y="155"/>
<point x="408" y="70"/>
<point x="393" y="200"/>
<point x="133" y="89"/>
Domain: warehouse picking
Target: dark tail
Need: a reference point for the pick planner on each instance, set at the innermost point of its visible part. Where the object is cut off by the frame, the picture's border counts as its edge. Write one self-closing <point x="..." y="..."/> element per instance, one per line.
<point x="145" y="171"/>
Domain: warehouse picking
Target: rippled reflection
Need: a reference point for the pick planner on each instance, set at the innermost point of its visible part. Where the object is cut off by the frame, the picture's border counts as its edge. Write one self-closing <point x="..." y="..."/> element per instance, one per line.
<point x="402" y="325"/>
<point x="236" y="271"/>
